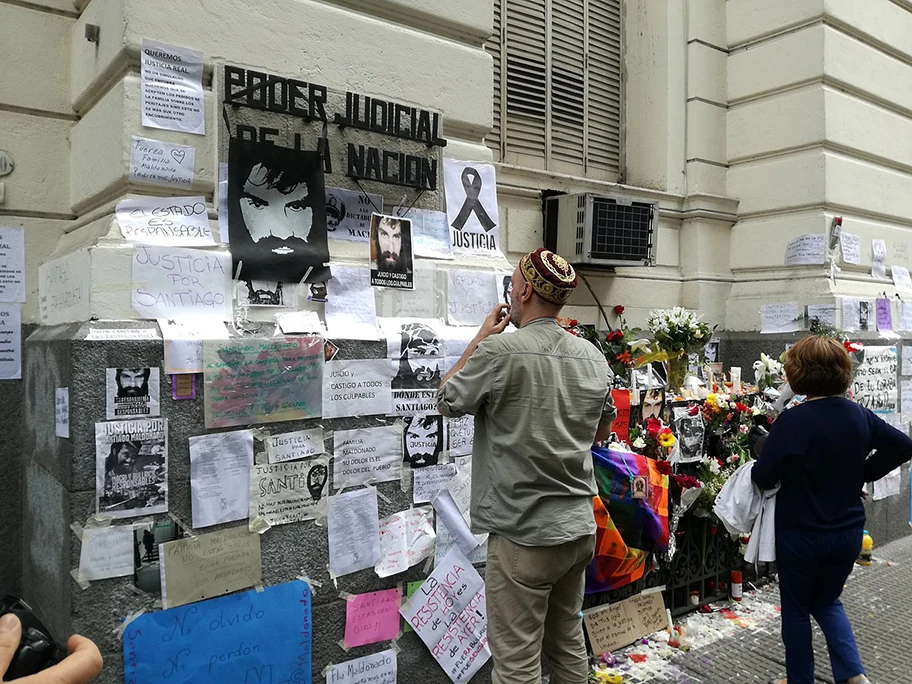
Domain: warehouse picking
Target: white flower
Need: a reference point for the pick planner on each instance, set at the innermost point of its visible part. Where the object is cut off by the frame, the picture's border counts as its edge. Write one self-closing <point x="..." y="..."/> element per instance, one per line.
<point x="640" y="345"/>
<point x="639" y="443"/>
<point x="714" y="467"/>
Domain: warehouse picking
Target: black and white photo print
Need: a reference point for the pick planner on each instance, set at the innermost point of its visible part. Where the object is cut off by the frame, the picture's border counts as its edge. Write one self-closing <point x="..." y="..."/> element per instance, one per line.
<point x="420" y="358"/>
<point x="689" y="430"/>
<point x="276" y="213"/>
<point x="133" y="392"/>
<point x="391" y="252"/>
<point x="131" y="467"/>
<point x="423" y="440"/>
<point x="262" y="293"/>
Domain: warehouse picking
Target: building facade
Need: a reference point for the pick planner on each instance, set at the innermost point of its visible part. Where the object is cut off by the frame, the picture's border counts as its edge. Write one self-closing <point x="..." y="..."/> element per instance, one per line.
<point x="748" y="123"/>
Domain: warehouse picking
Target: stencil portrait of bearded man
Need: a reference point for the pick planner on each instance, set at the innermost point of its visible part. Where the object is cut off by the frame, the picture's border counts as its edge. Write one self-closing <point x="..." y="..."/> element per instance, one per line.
<point x="276" y="213"/>
<point x="420" y="358"/>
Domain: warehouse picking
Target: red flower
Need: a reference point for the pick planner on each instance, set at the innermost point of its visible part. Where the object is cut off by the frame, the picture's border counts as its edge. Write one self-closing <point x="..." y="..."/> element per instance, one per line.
<point x="614" y="336"/>
<point x="619" y="309"/>
<point x="743" y="408"/>
<point x="665" y="431"/>
<point x="664" y="467"/>
<point x="693" y="409"/>
<point x="623" y="357"/>
<point x="653" y="426"/>
<point x="852" y="347"/>
<point x="572" y="322"/>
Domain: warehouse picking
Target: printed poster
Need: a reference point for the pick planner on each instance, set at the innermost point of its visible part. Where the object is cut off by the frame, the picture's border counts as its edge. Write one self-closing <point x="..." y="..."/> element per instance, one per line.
<point x="392" y="264"/>
<point x="264" y="380"/>
<point x="172" y="88"/>
<point x="415" y="348"/>
<point x="12" y="264"/>
<point x="10" y="342"/>
<point x="276" y="213"/>
<point x="132" y="392"/>
<point x="264" y="293"/>
<point x="471" y="202"/>
<point x="367" y="455"/>
<point x="131" y="467"/>
<point x="423" y="440"/>
<point x="282" y="493"/>
<point x="348" y="214"/>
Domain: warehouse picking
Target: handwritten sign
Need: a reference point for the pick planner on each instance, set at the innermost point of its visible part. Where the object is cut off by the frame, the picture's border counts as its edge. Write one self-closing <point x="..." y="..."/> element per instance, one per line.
<point x="282" y="493"/>
<point x="874" y="386"/>
<point x="12" y="265"/>
<point x="254" y="637"/>
<point x="367" y="455"/>
<point x="180" y="221"/>
<point x="371" y="618"/>
<point x="851" y="248"/>
<point x="262" y="380"/>
<point x="208" y="565"/>
<point x="161" y="163"/>
<point x="184" y="343"/>
<point x="379" y="668"/>
<point x="471" y="296"/>
<point x="780" y="318"/>
<point x="172" y="87"/>
<point x="824" y="313"/>
<point x="172" y="283"/>
<point x="805" y="249"/>
<point x="901" y="278"/>
<point x="357" y="388"/>
<point x="461" y="435"/>
<point x="884" y="314"/>
<point x="63" y="289"/>
<point x="621" y="399"/>
<point x="906" y="396"/>
<point x="448" y="612"/>
<point x="10" y="342"/>
<point x="428" y="481"/>
<point x="291" y="446"/>
<point x="878" y="269"/>
<point x="406" y="538"/>
<point x="430" y="232"/>
<point x="615" y="626"/>
<point x="106" y="552"/>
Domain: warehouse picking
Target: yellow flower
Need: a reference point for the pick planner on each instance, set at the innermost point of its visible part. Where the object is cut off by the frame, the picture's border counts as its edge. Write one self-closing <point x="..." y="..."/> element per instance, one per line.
<point x="667" y="440"/>
<point x="711" y="399"/>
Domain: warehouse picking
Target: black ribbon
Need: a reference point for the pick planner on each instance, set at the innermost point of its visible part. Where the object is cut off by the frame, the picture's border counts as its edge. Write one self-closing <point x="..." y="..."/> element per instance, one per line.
<point x="472" y="203"/>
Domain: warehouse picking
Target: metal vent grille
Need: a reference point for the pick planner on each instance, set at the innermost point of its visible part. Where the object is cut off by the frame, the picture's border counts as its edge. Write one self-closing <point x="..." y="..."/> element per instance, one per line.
<point x="621" y="231"/>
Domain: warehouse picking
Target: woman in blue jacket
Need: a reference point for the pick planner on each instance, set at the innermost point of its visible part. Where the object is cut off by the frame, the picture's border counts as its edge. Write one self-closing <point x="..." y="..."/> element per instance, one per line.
<point x="818" y="452"/>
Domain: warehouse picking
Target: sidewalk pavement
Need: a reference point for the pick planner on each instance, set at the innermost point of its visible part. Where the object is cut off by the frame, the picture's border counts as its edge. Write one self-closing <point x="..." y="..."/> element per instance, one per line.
<point x="743" y="645"/>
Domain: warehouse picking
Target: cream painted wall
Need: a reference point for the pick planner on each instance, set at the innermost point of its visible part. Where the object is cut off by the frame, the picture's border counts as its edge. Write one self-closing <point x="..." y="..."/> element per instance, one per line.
<point x="749" y="125"/>
<point x="819" y="126"/>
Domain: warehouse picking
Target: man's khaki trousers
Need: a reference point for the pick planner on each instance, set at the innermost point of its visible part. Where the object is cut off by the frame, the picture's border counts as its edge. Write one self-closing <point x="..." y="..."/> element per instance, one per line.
<point x="534" y="595"/>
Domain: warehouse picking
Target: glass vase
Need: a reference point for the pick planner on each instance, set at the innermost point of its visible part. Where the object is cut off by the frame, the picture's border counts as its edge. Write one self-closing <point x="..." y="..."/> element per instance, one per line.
<point x="677" y="369"/>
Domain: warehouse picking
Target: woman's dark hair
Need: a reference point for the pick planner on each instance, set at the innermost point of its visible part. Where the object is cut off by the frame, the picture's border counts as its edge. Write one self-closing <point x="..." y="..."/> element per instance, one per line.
<point x="818" y="366"/>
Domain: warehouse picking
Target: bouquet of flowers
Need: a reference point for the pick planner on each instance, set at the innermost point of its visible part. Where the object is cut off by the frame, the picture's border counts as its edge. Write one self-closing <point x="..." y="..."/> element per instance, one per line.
<point x="721" y="412"/>
<point x="654" y="439"/>
<point x="677" y="332"/>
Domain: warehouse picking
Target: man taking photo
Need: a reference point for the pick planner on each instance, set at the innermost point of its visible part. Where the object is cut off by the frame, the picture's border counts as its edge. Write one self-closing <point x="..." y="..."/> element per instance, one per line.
<point x="540" y="398"/>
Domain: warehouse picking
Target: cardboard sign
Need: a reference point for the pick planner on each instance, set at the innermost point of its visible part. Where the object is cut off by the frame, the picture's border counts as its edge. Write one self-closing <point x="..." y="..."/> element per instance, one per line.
<point x="615" y="626"/>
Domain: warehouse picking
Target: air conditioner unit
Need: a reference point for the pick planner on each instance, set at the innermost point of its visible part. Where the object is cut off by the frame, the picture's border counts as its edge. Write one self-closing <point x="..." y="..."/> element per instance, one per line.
<point x="599" y="231"/>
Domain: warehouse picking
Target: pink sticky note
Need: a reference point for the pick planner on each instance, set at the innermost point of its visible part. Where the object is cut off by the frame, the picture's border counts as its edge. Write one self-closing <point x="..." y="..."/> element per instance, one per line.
<point x="372" y="617"/>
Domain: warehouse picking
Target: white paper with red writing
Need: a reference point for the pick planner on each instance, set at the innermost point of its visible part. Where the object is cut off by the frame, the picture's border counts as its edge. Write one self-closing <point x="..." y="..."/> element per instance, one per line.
<point x="448" y="613"/>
